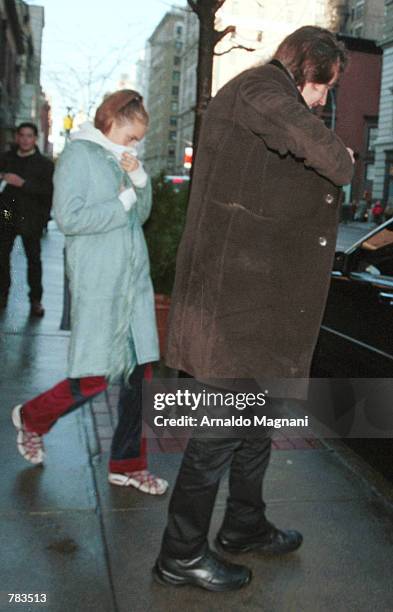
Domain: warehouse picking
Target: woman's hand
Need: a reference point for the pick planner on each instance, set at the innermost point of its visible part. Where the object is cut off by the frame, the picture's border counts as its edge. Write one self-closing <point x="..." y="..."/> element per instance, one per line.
<point x="129" y="162"/>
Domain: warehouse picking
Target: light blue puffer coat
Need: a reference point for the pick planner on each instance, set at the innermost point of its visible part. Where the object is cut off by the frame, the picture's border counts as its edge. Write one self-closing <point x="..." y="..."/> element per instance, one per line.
<point x="113" y="324"/>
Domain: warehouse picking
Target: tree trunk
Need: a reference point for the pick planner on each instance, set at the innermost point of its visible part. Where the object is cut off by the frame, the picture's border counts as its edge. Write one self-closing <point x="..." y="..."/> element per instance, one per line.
<point x="207" y="42"/>
<point x="208" y="38"/>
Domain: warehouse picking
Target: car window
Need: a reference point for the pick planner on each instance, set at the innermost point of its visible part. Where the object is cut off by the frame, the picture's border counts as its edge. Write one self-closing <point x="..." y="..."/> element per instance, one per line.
<point x="375" y="255"/>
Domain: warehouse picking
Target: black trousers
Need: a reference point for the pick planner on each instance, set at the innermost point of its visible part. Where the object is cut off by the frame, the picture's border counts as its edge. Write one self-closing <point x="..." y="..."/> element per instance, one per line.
<point x="192" y="502"/>
<point x="32" y="247"/>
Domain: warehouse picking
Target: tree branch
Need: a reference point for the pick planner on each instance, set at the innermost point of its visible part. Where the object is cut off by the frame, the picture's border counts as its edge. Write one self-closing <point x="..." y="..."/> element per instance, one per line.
<point x="219" y="35"/>
<point x="236" y="47"/>
<point x="194" y="6"/>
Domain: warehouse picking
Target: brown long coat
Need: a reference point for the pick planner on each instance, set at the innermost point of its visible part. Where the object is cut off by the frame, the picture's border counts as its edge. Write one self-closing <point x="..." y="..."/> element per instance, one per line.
<point x="254" y="262"/>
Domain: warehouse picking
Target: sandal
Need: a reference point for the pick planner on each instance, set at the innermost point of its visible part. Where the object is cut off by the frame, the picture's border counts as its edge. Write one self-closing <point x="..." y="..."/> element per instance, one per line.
<point x="142" y="480"/>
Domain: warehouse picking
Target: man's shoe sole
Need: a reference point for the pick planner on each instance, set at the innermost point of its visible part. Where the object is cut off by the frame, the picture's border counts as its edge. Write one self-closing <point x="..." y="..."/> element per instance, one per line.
<point x="172" y="580"/>
<point x="255" y="547"/>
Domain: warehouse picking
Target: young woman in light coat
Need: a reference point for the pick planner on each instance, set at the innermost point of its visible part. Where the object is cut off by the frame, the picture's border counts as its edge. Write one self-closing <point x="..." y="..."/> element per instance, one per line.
<point x="102" y="198"/>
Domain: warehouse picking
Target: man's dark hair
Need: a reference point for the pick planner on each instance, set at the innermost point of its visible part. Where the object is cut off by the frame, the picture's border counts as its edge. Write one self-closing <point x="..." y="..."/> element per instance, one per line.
<point x="27" y="124"/>
<point x="312" y="55"/>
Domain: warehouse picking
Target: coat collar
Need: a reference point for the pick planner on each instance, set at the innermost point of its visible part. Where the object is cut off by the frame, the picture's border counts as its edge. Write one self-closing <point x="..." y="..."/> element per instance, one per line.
<point x="281" y="67"/>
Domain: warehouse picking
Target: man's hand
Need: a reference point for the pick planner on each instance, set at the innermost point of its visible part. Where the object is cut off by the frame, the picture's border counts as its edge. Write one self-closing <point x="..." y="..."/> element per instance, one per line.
<point x="352" y="154"/>
<point x="13" y="179"/>
<point x="129" y="162"/>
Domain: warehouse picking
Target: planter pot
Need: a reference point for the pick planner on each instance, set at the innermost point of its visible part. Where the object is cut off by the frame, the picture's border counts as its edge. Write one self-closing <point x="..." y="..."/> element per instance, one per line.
<point x="162" y="303"/>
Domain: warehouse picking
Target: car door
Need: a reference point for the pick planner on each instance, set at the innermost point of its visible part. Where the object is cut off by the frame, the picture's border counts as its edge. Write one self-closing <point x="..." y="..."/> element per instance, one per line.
<point x="356" y="338"/>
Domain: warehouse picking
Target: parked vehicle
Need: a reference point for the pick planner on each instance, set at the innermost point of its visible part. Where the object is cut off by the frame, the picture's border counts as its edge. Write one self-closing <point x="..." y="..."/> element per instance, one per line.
<point x="354" y="352"/>
<point x="356" y="338"/>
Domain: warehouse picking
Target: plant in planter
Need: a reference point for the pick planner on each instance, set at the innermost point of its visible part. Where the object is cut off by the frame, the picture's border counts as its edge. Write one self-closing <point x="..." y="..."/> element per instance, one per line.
<point x="163" y="231"/>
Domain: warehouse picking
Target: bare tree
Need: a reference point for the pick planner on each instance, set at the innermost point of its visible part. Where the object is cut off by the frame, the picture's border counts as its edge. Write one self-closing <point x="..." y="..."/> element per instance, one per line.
<point x="82" y="88"/>
<point x="206" y="11"/>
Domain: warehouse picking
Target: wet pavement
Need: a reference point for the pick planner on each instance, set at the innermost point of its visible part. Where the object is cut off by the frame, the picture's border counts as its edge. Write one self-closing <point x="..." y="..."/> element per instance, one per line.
<point x="65" y="532"/>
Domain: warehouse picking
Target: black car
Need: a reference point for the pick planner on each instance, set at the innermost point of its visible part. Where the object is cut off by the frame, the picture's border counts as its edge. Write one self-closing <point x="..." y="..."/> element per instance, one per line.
<point x="353" y="360"/>
<point x="356" y="338"/>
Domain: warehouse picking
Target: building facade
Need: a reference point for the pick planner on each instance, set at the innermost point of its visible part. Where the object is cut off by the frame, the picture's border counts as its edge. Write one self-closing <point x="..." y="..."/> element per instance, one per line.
<point x="355" y="107"/>
<point x="164" y="53"/>
<point x="188" y="84"/>
<point x="260" y="26"/>
<point x="12" y="51"/>
<point x="21" y="96"/>
<point x="365" y="19"/>
<point x="383" y="179"/>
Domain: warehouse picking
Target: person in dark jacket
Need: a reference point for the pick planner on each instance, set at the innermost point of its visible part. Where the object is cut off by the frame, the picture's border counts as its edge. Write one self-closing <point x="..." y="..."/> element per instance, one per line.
<point x="25" y="202"/>
<point x="252" y="277"/>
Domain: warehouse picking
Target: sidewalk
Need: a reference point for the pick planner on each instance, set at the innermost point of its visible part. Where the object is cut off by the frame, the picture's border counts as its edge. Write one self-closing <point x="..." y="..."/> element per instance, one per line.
<point x="66" y="532"/>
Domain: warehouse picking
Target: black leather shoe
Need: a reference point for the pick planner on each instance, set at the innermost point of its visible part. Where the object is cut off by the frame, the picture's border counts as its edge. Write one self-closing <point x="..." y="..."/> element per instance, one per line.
<point x="37" y="309"/>
<point x="274" y="542"/>
<point x="208" y="571"/>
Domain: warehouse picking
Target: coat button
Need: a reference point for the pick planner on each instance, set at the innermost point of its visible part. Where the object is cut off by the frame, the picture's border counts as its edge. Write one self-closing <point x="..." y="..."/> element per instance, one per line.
<point x="329" y="198"/>
<point x="322" y="241"/>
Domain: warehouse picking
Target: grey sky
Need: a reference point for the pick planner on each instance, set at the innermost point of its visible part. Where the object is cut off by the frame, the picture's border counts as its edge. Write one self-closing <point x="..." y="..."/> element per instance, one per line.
<point x="106" y="34"/>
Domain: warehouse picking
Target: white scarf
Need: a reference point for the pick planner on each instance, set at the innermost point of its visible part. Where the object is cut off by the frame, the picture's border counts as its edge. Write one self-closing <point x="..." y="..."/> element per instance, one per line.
<point x="138" y="177"/>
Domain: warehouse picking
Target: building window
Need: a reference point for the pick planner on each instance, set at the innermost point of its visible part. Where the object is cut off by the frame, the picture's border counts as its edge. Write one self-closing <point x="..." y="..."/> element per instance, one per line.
<point x="178" y="45"/>
<point x="179" y="31"/>
<point x="371" y="138"/>
<point x="173" y="120"/>
<point x="175" y="91"/>
<point x="174" y="107"/>
<point x="176" y="76"/>
<point x="176" y="60"/>
<point x="172" y="136"/>
<point x="370" y="172"/>
<point x="359" y="9"/>
<point x="171" y="151"/>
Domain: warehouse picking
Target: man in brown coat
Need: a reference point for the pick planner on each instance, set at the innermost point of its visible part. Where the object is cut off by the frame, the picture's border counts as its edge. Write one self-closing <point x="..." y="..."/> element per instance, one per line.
<point x="252" y="278"/>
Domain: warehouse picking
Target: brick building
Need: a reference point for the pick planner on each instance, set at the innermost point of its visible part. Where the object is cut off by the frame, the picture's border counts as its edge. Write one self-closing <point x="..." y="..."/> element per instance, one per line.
<point x="384" y="144"/>
<point x="357" y="105"/>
